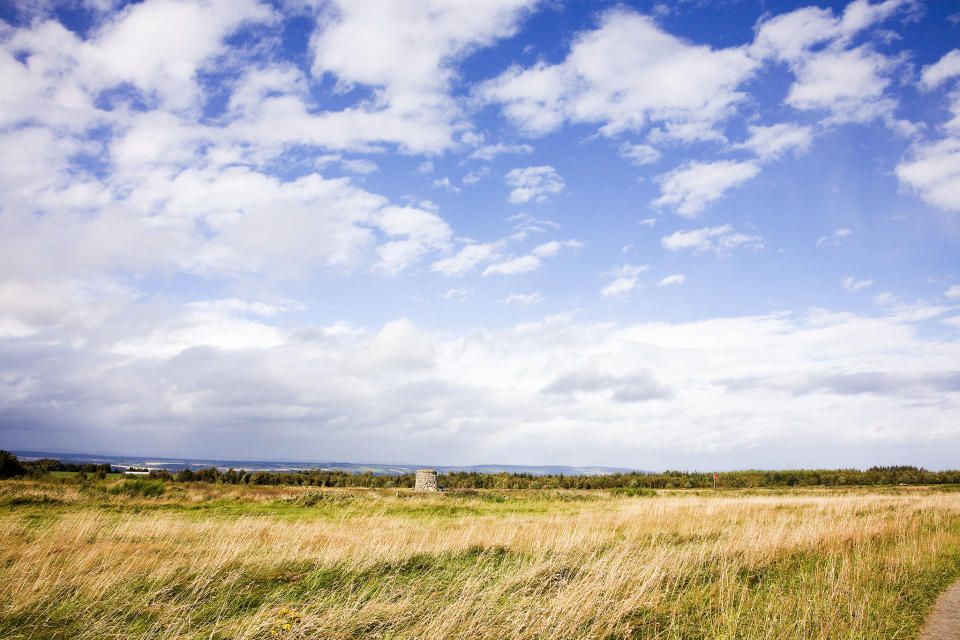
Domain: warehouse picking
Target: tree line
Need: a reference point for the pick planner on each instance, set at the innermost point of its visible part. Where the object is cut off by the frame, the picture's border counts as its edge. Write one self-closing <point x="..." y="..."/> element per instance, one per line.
<point x="11" y="467"/>
<point x="894" y="475"/>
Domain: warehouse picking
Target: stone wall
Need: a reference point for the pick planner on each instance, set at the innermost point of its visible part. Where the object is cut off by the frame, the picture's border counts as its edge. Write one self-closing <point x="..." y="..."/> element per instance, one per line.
<point x="426" y="480"/>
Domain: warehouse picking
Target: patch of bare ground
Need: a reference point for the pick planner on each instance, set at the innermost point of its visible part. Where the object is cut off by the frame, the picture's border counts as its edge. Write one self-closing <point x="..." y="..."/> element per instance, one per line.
<point x="944" y="621"/>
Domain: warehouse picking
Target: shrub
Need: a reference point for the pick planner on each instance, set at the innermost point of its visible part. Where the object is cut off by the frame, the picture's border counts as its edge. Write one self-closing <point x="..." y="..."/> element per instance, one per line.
<point x="139" y="487"/>
<point x="9" y="465"/>
<point x="632" y="491"/>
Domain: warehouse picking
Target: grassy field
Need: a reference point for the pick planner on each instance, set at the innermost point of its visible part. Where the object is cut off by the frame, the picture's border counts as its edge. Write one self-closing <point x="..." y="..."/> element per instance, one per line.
<point x="73" y="474"/>
<point x="136" y="559"/>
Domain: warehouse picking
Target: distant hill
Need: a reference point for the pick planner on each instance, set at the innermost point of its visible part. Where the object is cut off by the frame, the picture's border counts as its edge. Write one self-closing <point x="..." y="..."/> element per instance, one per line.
<point x="175" y="464"/>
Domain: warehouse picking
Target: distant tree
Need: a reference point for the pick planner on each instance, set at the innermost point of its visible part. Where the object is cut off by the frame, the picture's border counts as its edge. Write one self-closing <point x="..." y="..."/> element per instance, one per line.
<point x="9" y="465"/>
<point x="161" y="474"/>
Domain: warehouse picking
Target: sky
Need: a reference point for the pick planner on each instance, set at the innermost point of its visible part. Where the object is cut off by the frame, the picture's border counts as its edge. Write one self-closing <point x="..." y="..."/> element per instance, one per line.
<point x="686" y="235"/>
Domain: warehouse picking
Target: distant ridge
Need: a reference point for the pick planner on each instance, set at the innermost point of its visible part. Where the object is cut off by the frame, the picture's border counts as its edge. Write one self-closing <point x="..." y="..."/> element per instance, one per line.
<point x="175" y="464"/>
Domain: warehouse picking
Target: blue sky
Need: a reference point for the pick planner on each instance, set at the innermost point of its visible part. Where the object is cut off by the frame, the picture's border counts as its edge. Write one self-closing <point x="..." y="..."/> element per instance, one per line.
<point x="652" y="235"/>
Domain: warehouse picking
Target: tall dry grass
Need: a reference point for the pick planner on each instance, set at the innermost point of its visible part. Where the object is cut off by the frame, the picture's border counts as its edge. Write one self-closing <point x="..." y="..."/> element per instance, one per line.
<point x="378" y="565"/>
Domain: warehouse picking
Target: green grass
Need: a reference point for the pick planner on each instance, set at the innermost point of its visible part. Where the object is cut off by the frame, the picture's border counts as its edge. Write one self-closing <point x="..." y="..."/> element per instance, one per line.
<point x="73" y="474"/>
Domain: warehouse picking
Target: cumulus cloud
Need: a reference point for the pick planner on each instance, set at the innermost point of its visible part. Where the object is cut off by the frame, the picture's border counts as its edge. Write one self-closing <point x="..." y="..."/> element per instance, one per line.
<point x="721" y="240"/>
<point x="533" y="260"/>
<point x="406" y="53"/>
<point x="513" y="266"/>
<point x="176" y="143"/>
<point x="848" y="82"/>
<point x="691" y="188"/>
<point x="491" y="151"/>
<point x="953" y="292"/>
<point x="446" y="185"/>
<point x="931" y="168"/>
<point x="421" y="231"/>
<point x="776" y="140"/>
<point x="639" y="154"/>
<point x="533" y="183"/>
<point x="626" y="279"/>
<point x="933" y="171"/>
<point x="157" y="188"/>
<point x="944" y="69"/>
<point x="625" y="75"/>
<point x="468" y="258"/>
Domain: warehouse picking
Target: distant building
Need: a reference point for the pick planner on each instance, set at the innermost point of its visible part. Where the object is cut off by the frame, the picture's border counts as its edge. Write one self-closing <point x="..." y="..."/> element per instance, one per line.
<point x="426" y="480"/>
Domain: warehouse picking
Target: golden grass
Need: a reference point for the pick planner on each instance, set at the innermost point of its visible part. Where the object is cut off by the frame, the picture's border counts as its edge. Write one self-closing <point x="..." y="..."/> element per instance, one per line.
<point x="368" y="564"/>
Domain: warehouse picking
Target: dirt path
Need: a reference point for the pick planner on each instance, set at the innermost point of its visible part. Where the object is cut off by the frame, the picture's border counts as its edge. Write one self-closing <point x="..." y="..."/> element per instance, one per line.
<point x="944" y="620"/>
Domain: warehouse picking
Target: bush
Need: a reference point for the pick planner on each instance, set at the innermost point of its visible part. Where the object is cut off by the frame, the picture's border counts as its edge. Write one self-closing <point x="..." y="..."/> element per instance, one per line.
<point x="139" y="487"/>
<point x="632" y="492"/>
<point x="9" y="465"/>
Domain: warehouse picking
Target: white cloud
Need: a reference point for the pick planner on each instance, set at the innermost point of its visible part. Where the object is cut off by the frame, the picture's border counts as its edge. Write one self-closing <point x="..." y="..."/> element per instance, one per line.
<point x="648" y="222"/>
<point x="491" y="151"/>
<point x="852" y="285"/>
<point x="848" y="83"/>
<point x="159" y="46"/>
<point x="639" y="154"/>
<point x="360" y="165"/>
<point x="406" y="53"/>
<point x="459" y="294"/>
<point x="933" y="170"/>
<point x="834" y="238"/>
<point x="625" y="75"/>
<point x="552" y="248"/>
<point x="522" y="264"/>
<point x="523" y="299"/>
<point x="468" y="258"/>
<point x="677" y="278"/>
<point x="720" y="240"/>
<point x="399" y="346"/>
<point x="776" y="140"/>
<point x="446" y="185"/>
<point x="636" y="387"/>
<point x="533" y="183"/>
<point x="953" y="291"/>
<point x="424" y="232"/>
<point x="944" y="69"/>
<point x="533" y="260"/>
<point x="626" y="279"/>
<point x="655" y="394"/>
<point x="691" y="188"/>
<point x="476" y="175"/>
<point x="237" y="305"/>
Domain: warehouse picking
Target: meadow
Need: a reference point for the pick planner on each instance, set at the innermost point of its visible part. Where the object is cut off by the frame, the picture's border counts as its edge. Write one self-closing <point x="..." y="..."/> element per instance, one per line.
<point x="124" y="558"/>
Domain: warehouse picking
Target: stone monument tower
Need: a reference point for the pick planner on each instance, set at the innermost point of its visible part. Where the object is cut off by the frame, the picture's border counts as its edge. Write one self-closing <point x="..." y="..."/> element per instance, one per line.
<point x="426" y="480"/>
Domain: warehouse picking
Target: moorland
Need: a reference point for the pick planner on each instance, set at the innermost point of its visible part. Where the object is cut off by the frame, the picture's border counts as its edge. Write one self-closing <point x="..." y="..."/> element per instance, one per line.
<point x="139" y="558"/>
